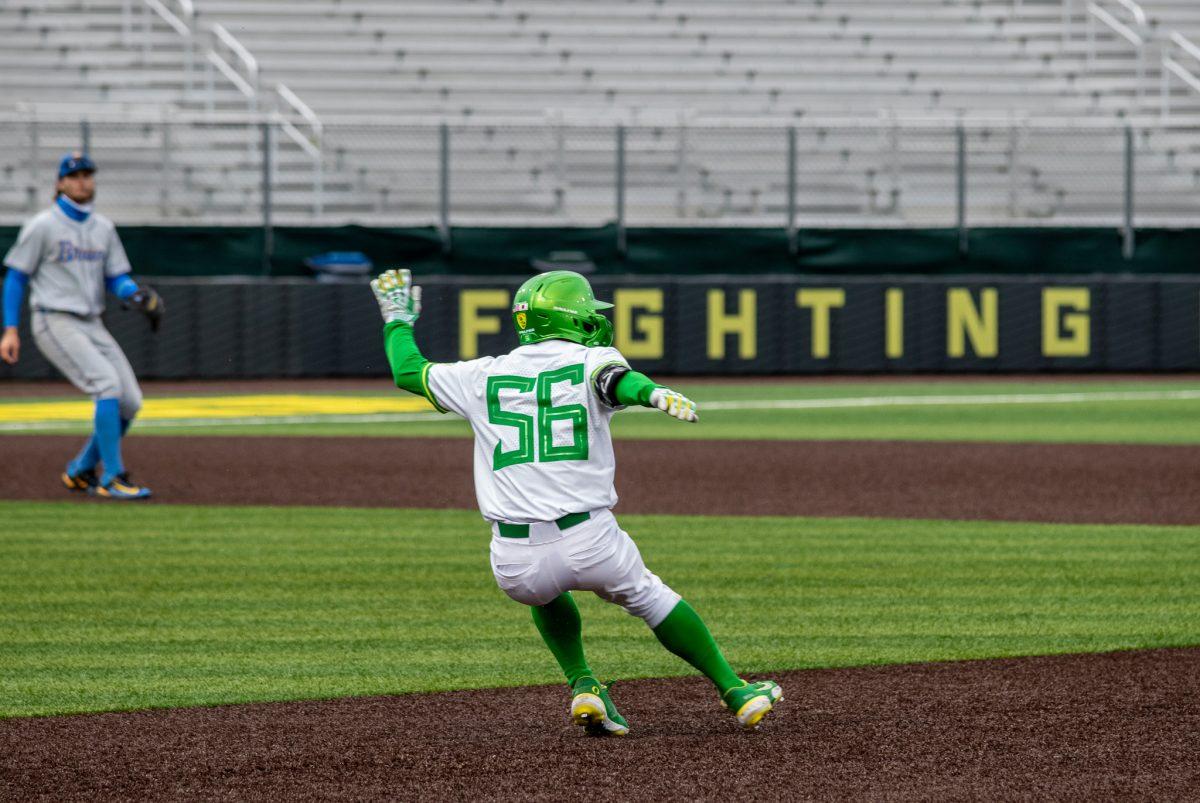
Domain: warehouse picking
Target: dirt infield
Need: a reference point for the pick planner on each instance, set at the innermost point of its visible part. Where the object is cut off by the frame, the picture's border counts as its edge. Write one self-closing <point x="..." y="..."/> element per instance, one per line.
<point x="1122" y="725"/>
<point x="1115" y="726"/>
<point x="1092" y="483"/>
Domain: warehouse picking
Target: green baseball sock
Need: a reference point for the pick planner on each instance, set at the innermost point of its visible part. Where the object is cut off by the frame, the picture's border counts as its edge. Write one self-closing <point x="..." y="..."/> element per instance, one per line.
<point x="561" y="628"/>
<point x="684" y="633"/>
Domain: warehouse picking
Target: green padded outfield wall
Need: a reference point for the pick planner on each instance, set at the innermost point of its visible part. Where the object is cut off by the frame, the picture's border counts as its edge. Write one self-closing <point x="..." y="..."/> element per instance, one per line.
<point x="237" y="250"/>
<point x="765" y="324"/>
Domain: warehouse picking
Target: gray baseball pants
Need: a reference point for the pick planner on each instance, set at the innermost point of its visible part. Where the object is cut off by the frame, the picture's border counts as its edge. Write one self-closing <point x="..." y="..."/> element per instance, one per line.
<point x="88" y="356"/>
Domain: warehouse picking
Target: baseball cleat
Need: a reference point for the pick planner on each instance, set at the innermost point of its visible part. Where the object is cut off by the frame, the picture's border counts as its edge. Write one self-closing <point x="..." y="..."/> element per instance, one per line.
<point x="83" y="481"/>
<point x="593" y="710"/>
<point x="120" y="487"/>
<point x="752" y="701"/>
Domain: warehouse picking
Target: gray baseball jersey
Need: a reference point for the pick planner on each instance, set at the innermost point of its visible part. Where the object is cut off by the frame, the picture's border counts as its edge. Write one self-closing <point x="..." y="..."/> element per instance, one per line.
<point x="67" y="260"/>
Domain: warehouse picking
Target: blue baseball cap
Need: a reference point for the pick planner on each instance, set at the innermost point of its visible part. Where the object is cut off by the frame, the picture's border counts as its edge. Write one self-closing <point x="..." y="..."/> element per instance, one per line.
<point x="75" y="163"/>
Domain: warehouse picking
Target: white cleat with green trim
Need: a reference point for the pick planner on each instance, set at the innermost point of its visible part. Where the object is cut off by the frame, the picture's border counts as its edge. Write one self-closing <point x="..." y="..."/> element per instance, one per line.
<point x="752" y="701"/>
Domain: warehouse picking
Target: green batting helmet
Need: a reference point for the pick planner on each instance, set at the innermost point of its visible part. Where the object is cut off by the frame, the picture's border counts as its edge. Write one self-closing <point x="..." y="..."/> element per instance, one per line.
<point x="560" y="304"/>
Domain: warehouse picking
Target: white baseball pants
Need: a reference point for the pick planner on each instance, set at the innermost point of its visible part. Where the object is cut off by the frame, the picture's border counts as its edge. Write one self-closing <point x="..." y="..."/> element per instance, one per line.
<point x="595" y="555"/>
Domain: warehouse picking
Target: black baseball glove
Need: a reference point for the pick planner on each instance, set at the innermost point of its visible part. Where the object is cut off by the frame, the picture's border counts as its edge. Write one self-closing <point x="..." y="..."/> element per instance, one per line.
<point x="147" y="301"/>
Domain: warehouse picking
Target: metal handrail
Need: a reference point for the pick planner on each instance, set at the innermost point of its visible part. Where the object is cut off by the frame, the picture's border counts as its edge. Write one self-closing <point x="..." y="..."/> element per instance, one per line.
<point x="182" y="27"/>
<point x="1068" y="15"/>
<point x="1139" y="16"/>
<point x="244" y="55"/>
<point x="1137" y="37"/>
<point x="303" y="109"/>
<point x="186" y="8"/>
<point x="180" y="19"/>
<point x="1171" y="66"/>
<point x="248" y="84"/>
<point x="311" y="145"/>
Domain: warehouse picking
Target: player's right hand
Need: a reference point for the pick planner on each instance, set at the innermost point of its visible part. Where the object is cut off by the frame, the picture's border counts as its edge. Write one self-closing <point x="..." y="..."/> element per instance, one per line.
<point x="10" y="346"/>
<point x="675" y="404"/>
<point x="398" y="299"/>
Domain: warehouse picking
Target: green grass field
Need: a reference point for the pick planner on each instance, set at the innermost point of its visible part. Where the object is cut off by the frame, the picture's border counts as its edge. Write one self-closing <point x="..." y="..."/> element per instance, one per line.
<point x="1093" y="411"/>
<point x="111" y="607"/>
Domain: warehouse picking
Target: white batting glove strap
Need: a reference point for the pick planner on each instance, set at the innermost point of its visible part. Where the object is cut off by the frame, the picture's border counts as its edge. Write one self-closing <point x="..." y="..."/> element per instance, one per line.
<point x="674" y="404"/>
<point x="398" y="299"/>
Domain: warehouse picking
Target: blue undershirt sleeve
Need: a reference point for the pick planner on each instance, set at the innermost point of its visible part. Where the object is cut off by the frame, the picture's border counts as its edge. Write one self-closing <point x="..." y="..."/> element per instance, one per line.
<point x="15" y="283"/>
<point x="122" y="286"/>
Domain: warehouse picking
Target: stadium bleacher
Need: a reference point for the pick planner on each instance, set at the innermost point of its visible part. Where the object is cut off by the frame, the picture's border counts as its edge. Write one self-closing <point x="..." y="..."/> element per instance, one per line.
<point x="532" y="91"/>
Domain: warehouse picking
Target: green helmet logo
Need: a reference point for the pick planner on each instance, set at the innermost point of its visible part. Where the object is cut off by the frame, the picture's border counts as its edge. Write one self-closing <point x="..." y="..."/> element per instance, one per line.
<point x="560" y="304"/>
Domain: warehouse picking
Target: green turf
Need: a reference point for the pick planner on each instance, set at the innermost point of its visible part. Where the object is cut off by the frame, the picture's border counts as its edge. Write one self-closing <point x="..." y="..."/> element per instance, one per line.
<point x="112" y="607"/>
<point x="1158" y="421"/>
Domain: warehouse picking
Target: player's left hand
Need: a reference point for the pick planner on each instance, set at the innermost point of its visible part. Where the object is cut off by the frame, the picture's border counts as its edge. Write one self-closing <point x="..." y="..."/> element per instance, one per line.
<point x="149" y="303"/>
<point x="398" y="299"/>
<point x="675" y="404"/>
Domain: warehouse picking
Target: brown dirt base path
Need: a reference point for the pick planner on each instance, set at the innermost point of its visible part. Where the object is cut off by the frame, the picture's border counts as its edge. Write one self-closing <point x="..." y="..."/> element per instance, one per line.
<point x="1092" y="483"/>
<point x="1114" y="726"/>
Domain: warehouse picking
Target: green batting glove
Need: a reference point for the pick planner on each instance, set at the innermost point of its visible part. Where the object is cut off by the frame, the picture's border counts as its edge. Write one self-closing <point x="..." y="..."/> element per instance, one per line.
<point x="398" y="299"/>
<point x="675" y="404"/>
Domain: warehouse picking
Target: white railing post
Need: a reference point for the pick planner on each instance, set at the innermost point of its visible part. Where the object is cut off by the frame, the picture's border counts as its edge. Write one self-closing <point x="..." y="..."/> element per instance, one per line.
<point x="620" y="188"/>
<point x="560" y="162"/>
<point x="1164" y="89"/>
<point x="1011" y="163"/>
<point x="310" y="144"/>
<point x="210" y="90"/>
<point x="145" y="35"/>
<point x="444" y="186"/>
<point x="793" y="241"/>
<point x="960" y="189"/>
<point x="164" y="187"/>
<point x="34" y="153"/>
<point x="681" y="161"/>
<point x="1127" y="232"/>
<point x="1090" y="27"/>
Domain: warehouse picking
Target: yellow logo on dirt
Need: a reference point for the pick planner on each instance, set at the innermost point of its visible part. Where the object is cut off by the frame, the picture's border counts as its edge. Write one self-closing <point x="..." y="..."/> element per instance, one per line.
<point x="522" y="318"/>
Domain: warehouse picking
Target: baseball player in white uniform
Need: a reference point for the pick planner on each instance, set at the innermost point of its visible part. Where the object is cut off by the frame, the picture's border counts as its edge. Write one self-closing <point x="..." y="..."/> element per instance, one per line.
<point x="68" y="255"/>
<point x="544" y="470"/>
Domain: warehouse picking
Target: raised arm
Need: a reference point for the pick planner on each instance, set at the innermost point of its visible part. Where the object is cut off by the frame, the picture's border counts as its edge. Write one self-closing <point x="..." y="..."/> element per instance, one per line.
<point x="400" y="305"/>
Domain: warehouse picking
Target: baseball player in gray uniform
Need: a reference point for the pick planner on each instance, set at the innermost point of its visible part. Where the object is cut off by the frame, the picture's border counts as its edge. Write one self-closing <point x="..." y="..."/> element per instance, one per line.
<point x="68" y="255"/>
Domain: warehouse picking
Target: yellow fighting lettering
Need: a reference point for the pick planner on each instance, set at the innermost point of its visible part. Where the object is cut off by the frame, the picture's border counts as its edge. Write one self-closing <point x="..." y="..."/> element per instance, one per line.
<point x="742" y="324"/>
<point x="965" y="321"/>
<point x="648" y="325"/>
<point x="472" y="322"/>
<point x="894" y="301"/>
<point x="821" y="301"/>
<point x="1066" y="323"/>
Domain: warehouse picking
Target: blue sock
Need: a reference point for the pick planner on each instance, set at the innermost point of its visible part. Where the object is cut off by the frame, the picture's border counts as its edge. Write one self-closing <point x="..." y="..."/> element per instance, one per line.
<point x="87" y="458"/>
<point x="108" y="436"/>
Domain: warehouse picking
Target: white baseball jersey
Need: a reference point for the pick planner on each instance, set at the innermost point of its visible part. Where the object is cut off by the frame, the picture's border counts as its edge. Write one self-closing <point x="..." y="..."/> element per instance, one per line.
<point x="542" y="443"/>
<point x="68" y="260"/>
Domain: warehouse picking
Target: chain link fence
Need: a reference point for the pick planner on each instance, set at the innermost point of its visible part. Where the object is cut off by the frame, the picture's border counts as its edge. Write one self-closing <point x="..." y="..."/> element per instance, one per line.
<point x="275" y="171"/>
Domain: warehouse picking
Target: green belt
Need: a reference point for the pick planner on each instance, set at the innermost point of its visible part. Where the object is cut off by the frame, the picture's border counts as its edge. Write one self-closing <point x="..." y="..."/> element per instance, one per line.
<point x="522" y="530"/>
